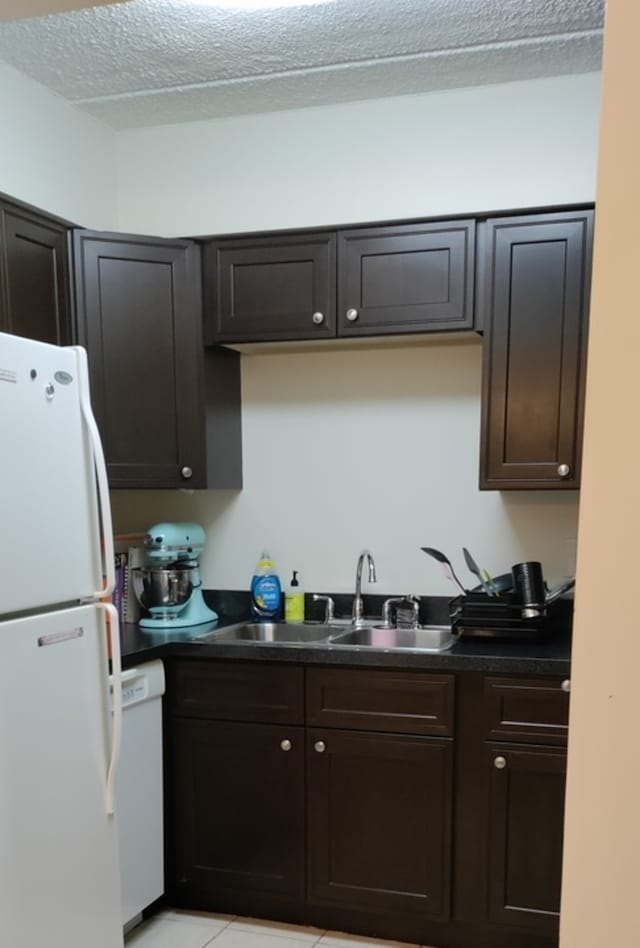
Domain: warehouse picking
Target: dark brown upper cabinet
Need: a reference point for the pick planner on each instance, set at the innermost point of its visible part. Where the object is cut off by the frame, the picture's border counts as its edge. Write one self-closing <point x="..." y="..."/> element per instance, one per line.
<point x="400" y="278"/>
<point x="269" y="288"/>
<point x="406" y="278"/>
<point x="535" y="301"/>
<point x="168" y="412"/>
<point x="34" y="275"/>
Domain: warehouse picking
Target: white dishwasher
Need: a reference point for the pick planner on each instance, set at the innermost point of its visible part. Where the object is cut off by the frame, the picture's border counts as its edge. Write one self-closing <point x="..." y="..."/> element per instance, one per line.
<point x="139" y="791"/>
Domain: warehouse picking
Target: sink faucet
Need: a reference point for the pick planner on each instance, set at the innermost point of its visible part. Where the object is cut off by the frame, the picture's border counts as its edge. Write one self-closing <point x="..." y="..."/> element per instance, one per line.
<point x="356" y="611"/>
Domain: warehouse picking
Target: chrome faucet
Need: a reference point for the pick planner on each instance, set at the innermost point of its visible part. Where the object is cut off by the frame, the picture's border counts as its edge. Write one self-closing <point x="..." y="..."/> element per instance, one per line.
<point x="356" y="611"/>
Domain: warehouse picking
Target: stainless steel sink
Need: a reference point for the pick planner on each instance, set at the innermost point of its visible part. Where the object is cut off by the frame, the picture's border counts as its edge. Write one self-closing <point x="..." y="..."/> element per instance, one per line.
<point x="429" y="638"/>
<point x="272" y="633"/>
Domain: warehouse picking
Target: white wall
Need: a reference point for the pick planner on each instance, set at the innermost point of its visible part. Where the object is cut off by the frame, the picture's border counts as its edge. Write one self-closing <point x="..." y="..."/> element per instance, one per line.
<point x="494" y="147"/>
<point x="53" y="156"/>
<point x="365" y="447"/>
<point x="357" y="448"/>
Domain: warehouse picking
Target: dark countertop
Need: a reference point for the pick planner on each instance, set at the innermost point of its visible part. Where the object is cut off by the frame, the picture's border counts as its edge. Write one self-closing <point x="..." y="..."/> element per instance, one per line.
<point x="550" y="657"/>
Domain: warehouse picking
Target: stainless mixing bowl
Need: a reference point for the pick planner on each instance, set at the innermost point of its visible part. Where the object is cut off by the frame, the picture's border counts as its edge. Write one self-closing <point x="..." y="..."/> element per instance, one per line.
<point x="158" y="588"/>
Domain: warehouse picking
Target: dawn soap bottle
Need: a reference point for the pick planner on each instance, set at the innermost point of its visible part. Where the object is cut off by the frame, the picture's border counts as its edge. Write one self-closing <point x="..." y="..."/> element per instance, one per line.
<point x="266" y="591"/>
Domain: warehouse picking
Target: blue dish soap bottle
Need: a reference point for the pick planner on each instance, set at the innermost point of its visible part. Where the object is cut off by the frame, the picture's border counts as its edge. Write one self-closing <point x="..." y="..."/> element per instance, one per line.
<point x="266" y="591"/>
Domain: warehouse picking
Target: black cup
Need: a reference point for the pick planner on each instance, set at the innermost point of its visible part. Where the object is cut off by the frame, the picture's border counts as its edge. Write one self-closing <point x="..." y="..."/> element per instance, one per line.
<point x="528" y="585"/>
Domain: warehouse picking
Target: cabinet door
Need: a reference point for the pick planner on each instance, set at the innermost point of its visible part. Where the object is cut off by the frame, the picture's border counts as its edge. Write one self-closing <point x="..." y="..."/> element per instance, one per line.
<point x="237" y="813"/>
<point x="406" y="278"/>
<point x="138" y="316"/>
<point x="526" y="819"/>
<point x="379" y="821"/>
<point x="535" y="309"/>
<point x="268" y="288"/>
<point x="34" y="277"/>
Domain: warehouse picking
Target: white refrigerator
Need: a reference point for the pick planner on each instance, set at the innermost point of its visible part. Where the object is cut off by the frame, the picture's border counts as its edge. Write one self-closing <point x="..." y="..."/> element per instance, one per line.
<point x="59" y="740"/>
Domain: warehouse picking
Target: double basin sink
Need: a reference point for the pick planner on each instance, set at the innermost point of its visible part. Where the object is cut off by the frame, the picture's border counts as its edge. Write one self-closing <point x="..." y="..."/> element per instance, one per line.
<point x="431" y="638"/>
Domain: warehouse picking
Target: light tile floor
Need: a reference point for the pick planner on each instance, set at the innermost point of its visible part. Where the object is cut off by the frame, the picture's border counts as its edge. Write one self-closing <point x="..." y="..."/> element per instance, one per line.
<point x="176" y="929"/>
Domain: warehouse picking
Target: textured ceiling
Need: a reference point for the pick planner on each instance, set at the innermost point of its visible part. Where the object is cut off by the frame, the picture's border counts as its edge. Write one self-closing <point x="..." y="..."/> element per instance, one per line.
<point x="152" y="62"/>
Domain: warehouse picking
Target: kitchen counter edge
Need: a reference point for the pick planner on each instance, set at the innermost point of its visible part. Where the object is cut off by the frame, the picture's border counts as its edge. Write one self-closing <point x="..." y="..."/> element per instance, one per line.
<point x="550" y="657"/>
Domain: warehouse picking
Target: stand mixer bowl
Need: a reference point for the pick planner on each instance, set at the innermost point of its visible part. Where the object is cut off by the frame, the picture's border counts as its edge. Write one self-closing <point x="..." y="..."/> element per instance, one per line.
<point x="164" y="589"/>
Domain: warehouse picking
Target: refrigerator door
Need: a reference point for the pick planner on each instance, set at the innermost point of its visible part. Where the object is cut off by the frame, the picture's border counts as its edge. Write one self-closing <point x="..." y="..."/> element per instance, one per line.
<point x="50" y="551"/>
<point x="59" y="877"/>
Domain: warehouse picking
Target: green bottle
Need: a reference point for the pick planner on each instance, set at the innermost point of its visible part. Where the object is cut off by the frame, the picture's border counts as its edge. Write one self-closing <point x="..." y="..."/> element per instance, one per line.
<point x="294" y="601"/>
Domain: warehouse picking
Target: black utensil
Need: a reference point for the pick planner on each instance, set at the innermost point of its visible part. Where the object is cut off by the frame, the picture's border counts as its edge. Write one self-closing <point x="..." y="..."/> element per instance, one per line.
<point x="475" y="569"/>
<point x="449" y="571"/>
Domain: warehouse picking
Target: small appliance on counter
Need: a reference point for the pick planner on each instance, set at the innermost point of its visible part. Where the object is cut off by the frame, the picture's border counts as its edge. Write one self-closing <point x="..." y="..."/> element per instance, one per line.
<point x="169" y="586"/>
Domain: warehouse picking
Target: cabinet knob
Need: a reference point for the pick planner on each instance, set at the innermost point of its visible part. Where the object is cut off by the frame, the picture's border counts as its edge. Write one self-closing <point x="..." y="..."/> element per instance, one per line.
<point x="319" y="747"/>
<point x="563" y="470"/>
<point x="318" y="318"/>
<point x="566" y="685"/>
<point x="352" y="315"/>
<point x="285" y="744"/>
<point x="500" y="763"/>
<point x="186" y="472"/>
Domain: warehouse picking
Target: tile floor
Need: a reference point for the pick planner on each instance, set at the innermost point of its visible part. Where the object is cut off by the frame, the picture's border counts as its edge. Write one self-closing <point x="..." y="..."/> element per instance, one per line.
<point x="177" y="929"/>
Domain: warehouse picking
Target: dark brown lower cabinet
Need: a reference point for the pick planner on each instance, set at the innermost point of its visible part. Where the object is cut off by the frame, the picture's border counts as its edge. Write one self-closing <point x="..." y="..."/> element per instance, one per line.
<point x="379" y="821"/>
<point x="526" y="814"/>
<point x="238" y="794"/>
<point x="338" y="798"/>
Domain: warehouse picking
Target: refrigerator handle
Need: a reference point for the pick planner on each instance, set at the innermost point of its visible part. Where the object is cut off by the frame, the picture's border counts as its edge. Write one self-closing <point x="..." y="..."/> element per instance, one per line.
<point x="101" y="475"/>
<point x="116" y="732"/>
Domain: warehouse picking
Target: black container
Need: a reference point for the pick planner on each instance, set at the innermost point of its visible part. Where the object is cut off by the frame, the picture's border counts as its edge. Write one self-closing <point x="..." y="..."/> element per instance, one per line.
<point x="528" y="585"/>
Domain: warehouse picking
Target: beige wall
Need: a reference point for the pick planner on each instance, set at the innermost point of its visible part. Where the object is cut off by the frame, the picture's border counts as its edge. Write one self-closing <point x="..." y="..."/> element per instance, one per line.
<point x="602" y="844"/>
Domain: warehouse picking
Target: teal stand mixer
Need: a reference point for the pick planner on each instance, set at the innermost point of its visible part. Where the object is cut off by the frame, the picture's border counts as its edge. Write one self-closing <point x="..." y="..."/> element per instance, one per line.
<point x="169" y="586"/>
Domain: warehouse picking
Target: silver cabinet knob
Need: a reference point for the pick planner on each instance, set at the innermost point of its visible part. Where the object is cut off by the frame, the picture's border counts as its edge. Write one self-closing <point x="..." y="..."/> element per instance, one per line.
<point x="566" y="685"/>
<point x="285" y="744"/>
<point x="563" y="470"/>
<point x="318" y="318"/>
<point x="319" y="747"/>
<point x="352" y="315"/>
<point x="500" y="763"/>
<point x="186" y="472"/>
